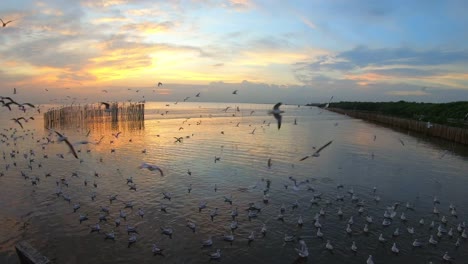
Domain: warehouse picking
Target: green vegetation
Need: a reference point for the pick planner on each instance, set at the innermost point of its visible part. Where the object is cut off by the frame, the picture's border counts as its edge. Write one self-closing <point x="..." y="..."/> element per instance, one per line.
<point x="452" y="114"/>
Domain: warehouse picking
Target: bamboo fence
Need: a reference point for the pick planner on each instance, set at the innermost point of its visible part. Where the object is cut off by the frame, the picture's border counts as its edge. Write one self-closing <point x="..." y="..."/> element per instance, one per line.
<point x="89" y="114"/>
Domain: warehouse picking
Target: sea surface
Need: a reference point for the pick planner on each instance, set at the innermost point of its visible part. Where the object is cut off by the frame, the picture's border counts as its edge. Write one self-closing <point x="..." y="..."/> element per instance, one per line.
<point x="380" y="165"/>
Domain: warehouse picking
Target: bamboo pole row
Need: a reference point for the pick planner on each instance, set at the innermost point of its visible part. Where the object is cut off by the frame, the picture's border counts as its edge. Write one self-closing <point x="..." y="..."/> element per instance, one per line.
<point x="455" y="134"/>
<point x="77" y="115"/>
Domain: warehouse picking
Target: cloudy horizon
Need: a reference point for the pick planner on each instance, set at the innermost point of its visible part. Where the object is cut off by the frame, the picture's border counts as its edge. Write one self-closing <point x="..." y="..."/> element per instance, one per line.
<point x="296" y="52"/>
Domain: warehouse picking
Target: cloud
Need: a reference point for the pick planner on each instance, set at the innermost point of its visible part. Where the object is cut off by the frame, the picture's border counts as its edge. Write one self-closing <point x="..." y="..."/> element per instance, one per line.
<point x="363" y="56"/>
<point x="366" y="66"/>
<point x="149" y="27"/>
<point x="309" y="23"/>
<point x="239" y="5"/>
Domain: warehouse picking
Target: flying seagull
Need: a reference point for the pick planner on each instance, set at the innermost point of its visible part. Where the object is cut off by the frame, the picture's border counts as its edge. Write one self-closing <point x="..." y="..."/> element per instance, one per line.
<point x="235" y="92"/>
<point x="63" y="138"/>
<point x="317" y="153"/>
<point x="6" y="23"/>
<point x="159" y="84"/>
<point x="151" y="168"/>
<point x="276" y="112"/>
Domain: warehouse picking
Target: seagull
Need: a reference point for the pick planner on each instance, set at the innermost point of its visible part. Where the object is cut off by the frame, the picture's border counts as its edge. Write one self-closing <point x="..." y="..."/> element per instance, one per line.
<point x="276" y="112"/>
<point x="4" y="25"/>
<point x="317" y="152"/>
<point x="151" y="168"/>
<point x="302" y="251"/>
<point x="234" y="92"/>
<point x="167" y="231"/>
<point x="160" y="84"/>
<point x="63" y="138"/>
<point x="107" y="105"/>
<point x="215" y="255"/>
<point x="329" y="245"/>
<point x="370" y="260"/>
<point x="207" y="243"/>
<point x="395" y="249"/>
<point x="156" y="250"/>
<point x="354" y="247"/>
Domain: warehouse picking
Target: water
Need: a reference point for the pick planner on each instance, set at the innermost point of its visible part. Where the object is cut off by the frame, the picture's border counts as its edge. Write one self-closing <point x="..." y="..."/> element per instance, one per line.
<point x="414" y="173"/>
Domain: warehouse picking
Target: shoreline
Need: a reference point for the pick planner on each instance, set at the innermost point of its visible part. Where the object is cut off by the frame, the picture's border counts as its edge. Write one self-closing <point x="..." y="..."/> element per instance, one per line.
<point x="454" y="134"/>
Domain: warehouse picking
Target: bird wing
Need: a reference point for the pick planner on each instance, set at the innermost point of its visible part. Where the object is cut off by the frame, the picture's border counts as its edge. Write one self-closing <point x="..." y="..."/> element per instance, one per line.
<point x="324" y="146"/>
<point x="28" y="104"/>
<point x="60" y="135"/>
<point x="72" y="149"/>
<point x="278" y="118"/>
<point x="276" y="107"/>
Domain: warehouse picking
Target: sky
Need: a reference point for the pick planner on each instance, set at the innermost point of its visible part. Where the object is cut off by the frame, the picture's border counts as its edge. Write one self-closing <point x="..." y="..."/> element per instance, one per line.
<point x="295" y="51"/>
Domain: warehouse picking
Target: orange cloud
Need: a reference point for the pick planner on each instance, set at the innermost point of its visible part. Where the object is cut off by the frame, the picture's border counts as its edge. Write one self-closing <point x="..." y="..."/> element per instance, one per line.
<point x="149" y="27"/>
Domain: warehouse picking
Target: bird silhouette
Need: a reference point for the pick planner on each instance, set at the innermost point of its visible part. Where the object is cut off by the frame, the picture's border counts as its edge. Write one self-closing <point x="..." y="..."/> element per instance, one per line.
<point x="6" y="23"/>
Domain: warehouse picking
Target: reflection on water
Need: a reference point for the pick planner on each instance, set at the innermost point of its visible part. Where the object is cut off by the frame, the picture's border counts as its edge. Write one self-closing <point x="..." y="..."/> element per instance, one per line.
<point x="415" y="172"/>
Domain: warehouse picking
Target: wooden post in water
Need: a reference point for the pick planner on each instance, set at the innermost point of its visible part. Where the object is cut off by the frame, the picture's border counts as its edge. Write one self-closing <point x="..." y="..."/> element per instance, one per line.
<point x="76" y="115"/>
<point x="29" y="255"/>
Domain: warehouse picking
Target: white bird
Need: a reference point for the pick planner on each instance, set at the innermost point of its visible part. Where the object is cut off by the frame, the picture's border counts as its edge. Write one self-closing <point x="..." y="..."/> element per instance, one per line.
<point x="216" y="255"/>
<point x="156" y="250"/>
<point x="329" y="245"/>
<point x="396" y="232"/>
<point x="370" y="260"/>
<point x="395" y="249"/>
<point x="300" y="222"/>
<point x="229" y="238"/>
<point x="416" y="243"/>
<point x="366" y="228"/>
<point x="381" y="238"/>
<point x="319" y="233"/>
<point x="151" y="167"/>
<point x="446" y="257"/>
<point x="167" y="231"/>
<point x="303" y="251"/>
<point x="432" y="240"/>
<point x="354" y="247"/>
<point x="251" y="237"/>
<point x="110" y="235"/>
<point x="191" y="225"/>
<point x="207" y="243"/>
<point x="264" y="230"/>
<point x="289" y="238"/>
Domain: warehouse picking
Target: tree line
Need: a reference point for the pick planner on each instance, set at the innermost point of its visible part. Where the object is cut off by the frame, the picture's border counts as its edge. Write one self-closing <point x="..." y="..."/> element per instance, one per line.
<point x="454" y="113"/>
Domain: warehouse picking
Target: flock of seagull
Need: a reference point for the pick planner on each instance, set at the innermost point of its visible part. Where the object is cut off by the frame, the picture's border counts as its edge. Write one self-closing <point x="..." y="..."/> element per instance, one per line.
<point x="443" y="226"/>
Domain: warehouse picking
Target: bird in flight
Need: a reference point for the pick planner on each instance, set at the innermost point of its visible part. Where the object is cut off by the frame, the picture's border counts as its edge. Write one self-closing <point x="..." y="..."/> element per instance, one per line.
<point x="151" y="167"/>
<point x="276" y="112"/>
<point x="6" y="23"/>
<point x="235" y="92"/>
<point x="159" y="84"/>
<point x="17" y="121"/>
<point x="317" y="152"/>
<point x="63" y="138"/>
<point x="107" y="105"/>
